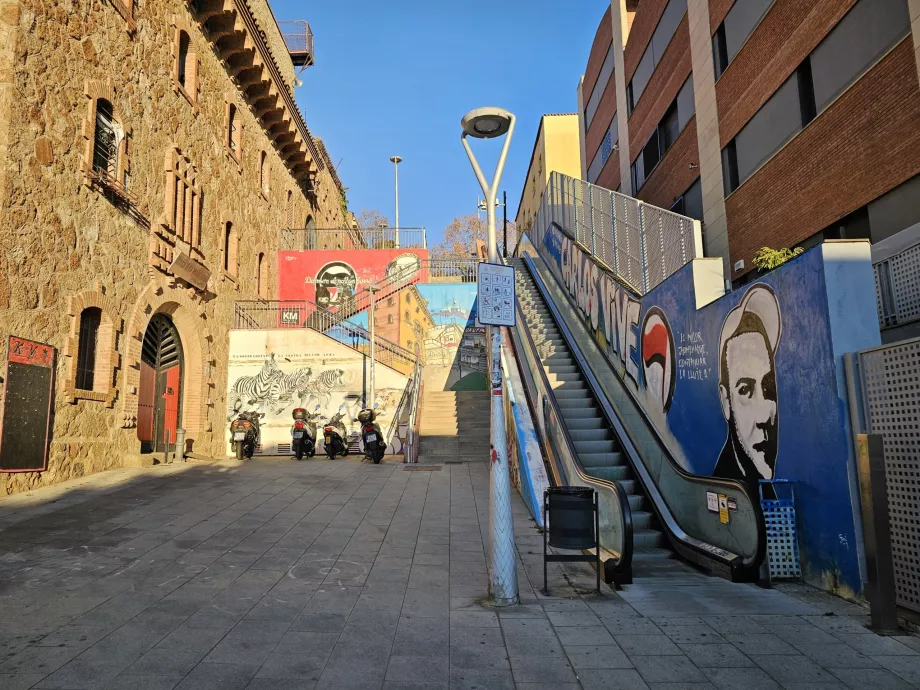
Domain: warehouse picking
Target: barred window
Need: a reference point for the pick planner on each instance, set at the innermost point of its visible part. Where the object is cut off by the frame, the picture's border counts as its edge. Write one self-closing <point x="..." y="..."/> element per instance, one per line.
<point x="90" y="320"/>
<point x="183" y="199"/>
<point x="233" y="130"/>
<point x="105" y="145"/>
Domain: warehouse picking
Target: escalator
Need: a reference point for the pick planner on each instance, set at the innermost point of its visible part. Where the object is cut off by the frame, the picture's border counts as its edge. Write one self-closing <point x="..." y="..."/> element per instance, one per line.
<point x="603" y="439"/>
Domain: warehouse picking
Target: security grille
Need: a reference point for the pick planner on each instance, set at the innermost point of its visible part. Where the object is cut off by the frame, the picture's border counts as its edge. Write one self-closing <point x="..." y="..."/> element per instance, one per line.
<point x="891" y="395"/>
<point x="897" y="287"/>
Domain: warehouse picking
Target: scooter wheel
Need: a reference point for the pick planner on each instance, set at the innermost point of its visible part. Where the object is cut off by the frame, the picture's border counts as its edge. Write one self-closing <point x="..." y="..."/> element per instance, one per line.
<point x="311" y="453"/>
<point x="345" y="452"/>
<point x="239" y="451"/>
<point x="299" y="454"/>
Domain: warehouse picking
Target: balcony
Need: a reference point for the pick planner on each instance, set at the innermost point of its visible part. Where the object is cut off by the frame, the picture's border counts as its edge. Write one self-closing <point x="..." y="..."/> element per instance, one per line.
<point x="299" y="41"/>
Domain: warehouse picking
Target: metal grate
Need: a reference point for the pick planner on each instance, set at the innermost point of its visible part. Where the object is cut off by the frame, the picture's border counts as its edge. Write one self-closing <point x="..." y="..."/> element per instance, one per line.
<point x="284" y="448"/>
<point x="891" y="391"/>
<point x="782" y="539"/>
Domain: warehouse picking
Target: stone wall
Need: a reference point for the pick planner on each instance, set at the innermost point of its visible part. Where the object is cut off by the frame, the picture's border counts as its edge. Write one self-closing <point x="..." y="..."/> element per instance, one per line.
<point x="63" y="242"/>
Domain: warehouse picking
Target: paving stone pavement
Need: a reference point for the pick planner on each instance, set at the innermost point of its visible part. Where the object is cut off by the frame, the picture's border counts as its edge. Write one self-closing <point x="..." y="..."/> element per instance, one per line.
<point x="276" y="574"/>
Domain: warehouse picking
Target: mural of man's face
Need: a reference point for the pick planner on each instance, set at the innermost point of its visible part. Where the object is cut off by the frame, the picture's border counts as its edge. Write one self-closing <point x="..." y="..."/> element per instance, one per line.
<point x="749" y="401"/>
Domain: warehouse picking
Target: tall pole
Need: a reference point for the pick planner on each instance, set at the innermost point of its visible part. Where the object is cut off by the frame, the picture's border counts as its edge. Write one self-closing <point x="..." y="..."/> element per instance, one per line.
<point x="503" y="584"/>
<point x="396" y="160"/>
<point x="369" y="403"/>
<point x="505" y="224"/>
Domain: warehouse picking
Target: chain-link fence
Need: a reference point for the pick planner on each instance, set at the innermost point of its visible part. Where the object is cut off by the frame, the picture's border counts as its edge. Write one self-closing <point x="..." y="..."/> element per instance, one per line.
<point x="642" y="244"/>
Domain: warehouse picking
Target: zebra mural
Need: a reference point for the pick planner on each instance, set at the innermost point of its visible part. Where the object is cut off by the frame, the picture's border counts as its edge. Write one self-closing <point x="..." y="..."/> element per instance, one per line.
<point x="254" y="390"/>
<point x="320" y="389"/>
<point x="287" y="385"/>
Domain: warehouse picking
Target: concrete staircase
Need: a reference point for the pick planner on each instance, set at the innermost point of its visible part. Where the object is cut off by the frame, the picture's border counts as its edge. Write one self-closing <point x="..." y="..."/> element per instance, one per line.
<point x="454" y="426"/>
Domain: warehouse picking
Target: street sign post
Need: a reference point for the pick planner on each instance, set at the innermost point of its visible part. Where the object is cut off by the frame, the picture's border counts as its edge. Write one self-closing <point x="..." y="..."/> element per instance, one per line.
<point x="496" y="295"/>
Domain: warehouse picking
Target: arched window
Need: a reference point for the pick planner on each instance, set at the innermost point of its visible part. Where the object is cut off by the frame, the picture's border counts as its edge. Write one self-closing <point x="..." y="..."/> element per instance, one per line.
<point x="260" y="276"/>
<point x="263" y="173"/>
<point x="309" y="237"/>
<point x="183" y="66"/>
<point x="105" y="143"/>
<point x="230" y="250"/>
<point x="390" y="318"/>
<point x="290" y="208"/>
<point x="90" y="320"/>
<point x="233" y="131"/>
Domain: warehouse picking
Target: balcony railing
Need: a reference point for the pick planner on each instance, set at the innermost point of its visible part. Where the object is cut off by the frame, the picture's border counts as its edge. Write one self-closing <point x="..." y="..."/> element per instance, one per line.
<point x="641" y="243"/>
<point x="299" y="41"/>
<point x="352" y="238"/>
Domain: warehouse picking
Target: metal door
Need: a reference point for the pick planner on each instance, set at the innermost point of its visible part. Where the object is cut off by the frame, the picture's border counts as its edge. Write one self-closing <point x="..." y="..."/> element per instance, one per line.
<point x="161" y="385"/>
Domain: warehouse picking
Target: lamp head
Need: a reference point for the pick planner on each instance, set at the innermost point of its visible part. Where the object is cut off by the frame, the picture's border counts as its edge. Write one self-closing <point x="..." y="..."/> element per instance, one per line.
<point x="486" y="123"/>
<point x="396" y="159"/>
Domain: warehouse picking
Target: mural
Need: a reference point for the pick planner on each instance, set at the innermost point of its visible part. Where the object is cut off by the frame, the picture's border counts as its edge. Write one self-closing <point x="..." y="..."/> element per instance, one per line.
<point x="712" y="379"/>
<point x="455" y="347"/>
<point x="331" y="278"/>
<point x="274" y="371"/>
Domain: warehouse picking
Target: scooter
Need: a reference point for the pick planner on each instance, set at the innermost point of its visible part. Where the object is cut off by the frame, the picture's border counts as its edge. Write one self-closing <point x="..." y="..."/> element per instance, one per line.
<point x="334" y="433"/>
<point x="303" y="433"/>
<point x="374" y="445"/>
<point x="244" y="433"/>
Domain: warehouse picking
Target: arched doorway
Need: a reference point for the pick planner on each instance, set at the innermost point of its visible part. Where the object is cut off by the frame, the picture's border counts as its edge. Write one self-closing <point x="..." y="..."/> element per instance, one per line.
<point x="160" y="391"/>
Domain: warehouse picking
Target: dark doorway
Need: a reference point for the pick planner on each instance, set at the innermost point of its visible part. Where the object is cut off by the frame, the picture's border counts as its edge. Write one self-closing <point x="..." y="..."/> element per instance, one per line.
<point x="160" y="392"/>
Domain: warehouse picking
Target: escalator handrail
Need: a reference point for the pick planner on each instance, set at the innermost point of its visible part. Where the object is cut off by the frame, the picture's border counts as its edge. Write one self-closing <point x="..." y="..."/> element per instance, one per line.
<point x="709" y="551"/>
<point x="624" y="560"/>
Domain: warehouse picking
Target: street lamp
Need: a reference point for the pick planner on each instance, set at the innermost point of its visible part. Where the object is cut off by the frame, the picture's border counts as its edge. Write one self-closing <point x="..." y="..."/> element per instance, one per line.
<point x="504" y="206"/>
<point x="396" y="160"/>
<point x="489" y="123"/>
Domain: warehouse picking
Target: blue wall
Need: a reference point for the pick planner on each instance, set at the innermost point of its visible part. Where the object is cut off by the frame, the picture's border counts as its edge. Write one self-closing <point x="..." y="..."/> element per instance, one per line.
<point x="680" y="388"/>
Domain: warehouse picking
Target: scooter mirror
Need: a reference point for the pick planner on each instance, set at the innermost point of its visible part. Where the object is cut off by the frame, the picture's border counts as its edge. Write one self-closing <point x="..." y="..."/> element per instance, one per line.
<point x="316" y="408"/>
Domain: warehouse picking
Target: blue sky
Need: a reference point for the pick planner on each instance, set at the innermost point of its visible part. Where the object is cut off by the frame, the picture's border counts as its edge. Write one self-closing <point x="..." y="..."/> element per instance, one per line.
<point x="396" y="77"/>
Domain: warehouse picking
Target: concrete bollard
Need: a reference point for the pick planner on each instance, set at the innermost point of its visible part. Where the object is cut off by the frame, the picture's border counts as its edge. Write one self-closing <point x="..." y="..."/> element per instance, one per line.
<point x="180" y="445"/>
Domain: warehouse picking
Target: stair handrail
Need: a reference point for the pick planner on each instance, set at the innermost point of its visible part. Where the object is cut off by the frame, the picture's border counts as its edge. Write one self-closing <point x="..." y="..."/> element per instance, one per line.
<point x="743" y="568"/>
<point x="622" y="566"/>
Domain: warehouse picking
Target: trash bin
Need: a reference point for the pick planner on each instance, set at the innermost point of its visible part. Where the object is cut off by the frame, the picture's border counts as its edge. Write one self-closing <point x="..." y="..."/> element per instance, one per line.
<point x="571" y="517"/>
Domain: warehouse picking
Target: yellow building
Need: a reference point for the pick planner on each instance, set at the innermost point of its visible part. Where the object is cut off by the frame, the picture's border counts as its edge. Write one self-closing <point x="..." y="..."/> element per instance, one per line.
<point x="556" y="148"/>
<point x="404" y="318"/>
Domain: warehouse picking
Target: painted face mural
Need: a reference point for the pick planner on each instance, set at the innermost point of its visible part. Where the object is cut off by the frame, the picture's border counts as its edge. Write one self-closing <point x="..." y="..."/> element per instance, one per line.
<point x="658" y="358"/>
<point x="747" y="386"/>
<point x="335" y="284"/>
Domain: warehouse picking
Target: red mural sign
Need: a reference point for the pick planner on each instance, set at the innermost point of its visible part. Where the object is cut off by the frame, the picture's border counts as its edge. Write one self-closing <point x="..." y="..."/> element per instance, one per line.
<point x="25" y="423"/>
<point x="331" y="277"/>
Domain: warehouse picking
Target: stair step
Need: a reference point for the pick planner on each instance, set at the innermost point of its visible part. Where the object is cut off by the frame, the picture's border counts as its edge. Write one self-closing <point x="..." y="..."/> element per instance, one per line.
<point x="612" y="473"/>
<point x="595" y="423"/>
<point x="606" y="446"/>
<point x="647" y="539"/>
<point x="574" y="408"/>
<point x="652" y="555"/>
<point x="589" y="434"/>
<point x="594" y="461"/>
<point x="568" y="392"/>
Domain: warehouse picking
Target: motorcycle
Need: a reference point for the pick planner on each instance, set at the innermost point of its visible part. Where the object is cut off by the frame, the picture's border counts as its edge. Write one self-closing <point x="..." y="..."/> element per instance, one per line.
<point x="334" y="434"/>
<point x="244" y="433"/>
<point x="303" y="433"/>
<point x="374" y="445"/>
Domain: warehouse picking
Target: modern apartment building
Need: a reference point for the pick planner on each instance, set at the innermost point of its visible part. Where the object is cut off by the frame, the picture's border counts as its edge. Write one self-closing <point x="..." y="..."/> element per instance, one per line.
<point x="556" y="147"/>
<point x="778" y="123"/>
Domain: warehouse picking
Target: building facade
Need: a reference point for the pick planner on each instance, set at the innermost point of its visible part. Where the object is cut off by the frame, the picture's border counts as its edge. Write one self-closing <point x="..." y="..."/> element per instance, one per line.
<point x="556" y="148"/>
<point x="404" y="319"/>
<point x="777" y="123"/>
<point x="148" y="157"/>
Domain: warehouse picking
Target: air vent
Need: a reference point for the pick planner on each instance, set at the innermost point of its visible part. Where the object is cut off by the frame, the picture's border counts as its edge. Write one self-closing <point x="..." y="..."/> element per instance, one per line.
<point x="739" y="265"/>
<point x="284" y="448"/>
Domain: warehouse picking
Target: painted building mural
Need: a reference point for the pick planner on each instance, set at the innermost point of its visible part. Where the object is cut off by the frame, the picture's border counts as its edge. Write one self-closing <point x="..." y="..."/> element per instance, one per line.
<point x="331" y="278"/>
<point x="455" y="347"/>
<point x="748" y="386"/>
<point x="274" y="371"/>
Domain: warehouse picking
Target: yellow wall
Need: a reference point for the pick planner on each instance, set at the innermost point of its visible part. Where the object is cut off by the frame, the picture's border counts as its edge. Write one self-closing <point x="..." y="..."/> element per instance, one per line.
<point x="556" y="148"/>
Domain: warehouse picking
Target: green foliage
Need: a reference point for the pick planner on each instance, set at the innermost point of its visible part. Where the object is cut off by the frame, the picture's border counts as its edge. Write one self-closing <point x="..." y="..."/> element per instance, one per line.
<point x="344" y="202"/>
<point x="767" y="259"/>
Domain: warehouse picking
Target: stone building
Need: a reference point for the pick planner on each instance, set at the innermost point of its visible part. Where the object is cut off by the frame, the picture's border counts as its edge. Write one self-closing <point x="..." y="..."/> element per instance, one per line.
<point x="149" y="154"/>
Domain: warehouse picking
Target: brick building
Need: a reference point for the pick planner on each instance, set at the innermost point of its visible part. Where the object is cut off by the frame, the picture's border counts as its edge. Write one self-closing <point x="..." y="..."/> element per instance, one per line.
<point x="403" y="318"/>
<point x="777" y="123"/>
<point x="149" y="154"/>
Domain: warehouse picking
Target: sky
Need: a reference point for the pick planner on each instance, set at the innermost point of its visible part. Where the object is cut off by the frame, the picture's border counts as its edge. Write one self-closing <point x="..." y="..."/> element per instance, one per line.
<point x="396" y="77"/>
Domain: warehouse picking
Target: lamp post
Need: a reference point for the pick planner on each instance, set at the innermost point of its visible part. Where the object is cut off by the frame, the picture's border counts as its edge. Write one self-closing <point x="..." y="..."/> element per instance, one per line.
<point x="396" y="160"/>
<point x="489" y="123"/>
<point x="369" y="403"/>
<point x="504" y="206"/>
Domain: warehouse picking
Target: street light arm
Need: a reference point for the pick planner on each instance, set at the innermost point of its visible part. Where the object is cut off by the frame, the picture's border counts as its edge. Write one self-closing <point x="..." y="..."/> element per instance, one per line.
<point x="475" y="164"/>
<point x="500" y="168"/>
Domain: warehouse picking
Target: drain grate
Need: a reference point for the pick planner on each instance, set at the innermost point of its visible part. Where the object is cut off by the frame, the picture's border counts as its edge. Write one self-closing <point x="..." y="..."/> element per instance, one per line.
<point x="421" y="468"/>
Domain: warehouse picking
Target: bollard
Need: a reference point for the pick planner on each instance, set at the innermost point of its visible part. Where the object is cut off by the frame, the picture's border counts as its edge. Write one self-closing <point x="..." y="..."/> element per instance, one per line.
<point x="180" y="445"/>
<point x="873" y="494"/>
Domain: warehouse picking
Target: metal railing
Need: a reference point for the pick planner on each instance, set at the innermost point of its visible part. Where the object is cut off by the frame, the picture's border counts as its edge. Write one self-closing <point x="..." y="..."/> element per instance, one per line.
<point x="453" y="270"/>
<point x="265" y="315"/>
<point x="642" y="244"/>
<point x="299" y="41"/>
<point x="896" y="263"/>
<point x="306" y="239"/>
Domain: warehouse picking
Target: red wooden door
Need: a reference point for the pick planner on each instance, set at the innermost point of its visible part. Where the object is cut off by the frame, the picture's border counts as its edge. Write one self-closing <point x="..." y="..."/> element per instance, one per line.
<point x="171" y="404"/>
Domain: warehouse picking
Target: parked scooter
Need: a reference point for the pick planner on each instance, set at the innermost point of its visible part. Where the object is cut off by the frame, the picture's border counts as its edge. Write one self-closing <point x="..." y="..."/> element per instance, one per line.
<point x="244" y="433"/>
<point x="303" y="433"/>
<point x="334" y="434"/>
<point x="374" y="445"/>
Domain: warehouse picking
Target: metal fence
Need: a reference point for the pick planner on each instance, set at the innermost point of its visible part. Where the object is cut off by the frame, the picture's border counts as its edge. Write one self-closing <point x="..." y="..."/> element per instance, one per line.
<point x="265" y="315"/>
<point x="897" y="286"/>
<point x="453" y="270"/>
<point x="642" y="244"/>
<point x="889" y="404"/>
<point x="298" y="37"/>
<point x="306" y="239"/>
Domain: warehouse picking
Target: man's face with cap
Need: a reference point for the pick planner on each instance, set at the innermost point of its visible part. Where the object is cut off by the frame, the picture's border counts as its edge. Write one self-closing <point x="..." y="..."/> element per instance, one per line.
<point x="748" y="396"/>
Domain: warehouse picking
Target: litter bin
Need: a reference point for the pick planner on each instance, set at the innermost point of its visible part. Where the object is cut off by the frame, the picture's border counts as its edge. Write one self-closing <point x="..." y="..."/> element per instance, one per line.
<point x="571" y="518"/>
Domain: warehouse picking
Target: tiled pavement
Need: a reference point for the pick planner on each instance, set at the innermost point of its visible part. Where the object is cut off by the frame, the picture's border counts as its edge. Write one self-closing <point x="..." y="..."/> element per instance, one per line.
<point x="276" y="574"/>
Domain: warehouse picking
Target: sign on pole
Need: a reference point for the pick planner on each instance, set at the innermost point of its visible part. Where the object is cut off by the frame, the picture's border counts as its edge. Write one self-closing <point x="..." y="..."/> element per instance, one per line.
<point x="496" y="295"/>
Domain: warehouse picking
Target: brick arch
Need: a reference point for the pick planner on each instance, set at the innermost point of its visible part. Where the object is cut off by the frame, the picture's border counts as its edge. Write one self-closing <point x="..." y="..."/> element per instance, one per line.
<point x="107" y="358"/>
<point x="93" y="90"/>
<point x="188" y="316"/>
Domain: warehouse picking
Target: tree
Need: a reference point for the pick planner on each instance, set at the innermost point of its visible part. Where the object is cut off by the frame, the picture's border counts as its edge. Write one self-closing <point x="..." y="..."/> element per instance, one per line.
<point x="767" y="259"/>
<point x="463" y="234"/>
<point x="372" y="218"/>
